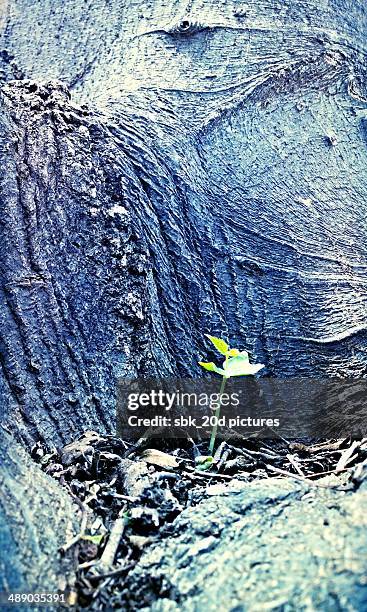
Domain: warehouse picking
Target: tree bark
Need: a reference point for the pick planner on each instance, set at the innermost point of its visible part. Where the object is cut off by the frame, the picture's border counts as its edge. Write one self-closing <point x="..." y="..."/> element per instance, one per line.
<point x="36" y="518"/>
<point x="207" y="175"/>
<point x="215" y="183"/>
<point x="73" y="270"/>
<point x="258" y="547"/>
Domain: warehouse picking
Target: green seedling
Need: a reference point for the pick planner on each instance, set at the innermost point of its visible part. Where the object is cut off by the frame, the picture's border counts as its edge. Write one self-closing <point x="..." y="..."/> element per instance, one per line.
<point x="95" y="539"/>
<point x="204" y="462"/>
<point x="236" y="363"/>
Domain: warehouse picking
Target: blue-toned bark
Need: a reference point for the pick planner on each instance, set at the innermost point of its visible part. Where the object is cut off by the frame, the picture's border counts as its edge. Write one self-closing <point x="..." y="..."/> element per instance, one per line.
<point x="215" y="182"/>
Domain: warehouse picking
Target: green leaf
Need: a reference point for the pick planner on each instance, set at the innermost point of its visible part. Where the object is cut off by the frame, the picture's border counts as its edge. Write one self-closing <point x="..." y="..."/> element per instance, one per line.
<point x="127" y="517"/>
<point x="203" y="459"/>
<point x="233" y="353"/>
<point x="219" y="344"/>
<point x="211" y="367"/>
<point x="204" y="462"/>
<point x="96" y="539"/>
<point x="204" y="466"/>
<point x="241" y="366"/>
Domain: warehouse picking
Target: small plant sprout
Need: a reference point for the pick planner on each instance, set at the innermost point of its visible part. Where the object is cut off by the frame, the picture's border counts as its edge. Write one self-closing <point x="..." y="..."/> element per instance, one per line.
<point x="236" y="363"/>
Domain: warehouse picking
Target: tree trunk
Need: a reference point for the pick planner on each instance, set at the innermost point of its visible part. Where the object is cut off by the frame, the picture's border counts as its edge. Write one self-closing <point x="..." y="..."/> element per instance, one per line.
<point x="215" y="183"/>
<point x="73" y="269"/>
<point x="207" y="176"/>
<point x="36" y="518"/>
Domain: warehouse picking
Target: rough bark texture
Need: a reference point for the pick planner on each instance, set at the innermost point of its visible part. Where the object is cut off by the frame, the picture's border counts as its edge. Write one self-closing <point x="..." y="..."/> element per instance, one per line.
<point x="72" y="267"/>
<point x="234" y="136"/>
<point x="36" y="518"/>
<point x="215" y="183"/>
<point x="270" y="545"/>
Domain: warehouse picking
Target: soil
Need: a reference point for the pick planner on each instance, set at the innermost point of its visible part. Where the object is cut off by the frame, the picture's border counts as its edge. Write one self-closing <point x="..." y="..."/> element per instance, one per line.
<point x="128" y="494"/>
